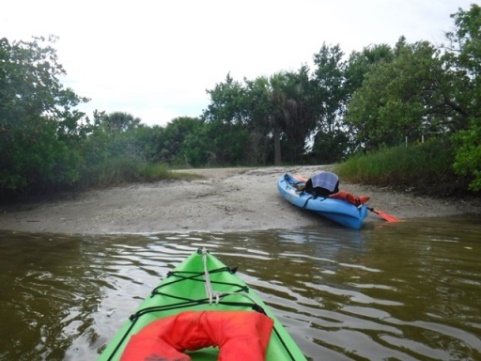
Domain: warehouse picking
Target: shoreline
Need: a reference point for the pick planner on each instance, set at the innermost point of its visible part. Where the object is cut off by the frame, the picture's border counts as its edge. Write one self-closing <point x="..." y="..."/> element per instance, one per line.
<point x="226" y="199"/>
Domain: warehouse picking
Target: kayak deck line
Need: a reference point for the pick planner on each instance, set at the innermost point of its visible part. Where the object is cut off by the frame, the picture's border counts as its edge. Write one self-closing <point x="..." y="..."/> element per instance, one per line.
<point x="193" y="302"/>
<point x="171" y="302"/>
<point x="188" y="302"/>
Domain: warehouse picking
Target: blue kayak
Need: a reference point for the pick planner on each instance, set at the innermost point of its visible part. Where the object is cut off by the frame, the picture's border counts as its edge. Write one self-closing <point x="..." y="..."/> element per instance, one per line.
<point x="336" y="210"/>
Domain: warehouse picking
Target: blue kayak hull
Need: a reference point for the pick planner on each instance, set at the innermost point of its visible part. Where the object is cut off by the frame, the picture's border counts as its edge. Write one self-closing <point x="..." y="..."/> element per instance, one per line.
<point x="336" y="210"/>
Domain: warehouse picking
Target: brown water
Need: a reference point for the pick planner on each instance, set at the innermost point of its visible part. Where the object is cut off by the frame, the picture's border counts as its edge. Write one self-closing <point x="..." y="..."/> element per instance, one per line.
<point x="404" y="291"/>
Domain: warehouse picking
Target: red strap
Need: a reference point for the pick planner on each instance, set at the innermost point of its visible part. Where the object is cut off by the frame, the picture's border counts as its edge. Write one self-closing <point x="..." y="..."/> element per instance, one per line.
<point x="349" y="197"/>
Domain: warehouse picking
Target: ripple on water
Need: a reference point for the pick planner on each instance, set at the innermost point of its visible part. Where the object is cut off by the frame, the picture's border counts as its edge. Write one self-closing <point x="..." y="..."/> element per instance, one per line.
<point x="408" y="292"/>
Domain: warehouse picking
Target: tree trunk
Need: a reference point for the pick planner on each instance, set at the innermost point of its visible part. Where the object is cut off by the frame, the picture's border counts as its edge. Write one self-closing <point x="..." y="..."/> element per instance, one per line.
<point x="277" y="144"/>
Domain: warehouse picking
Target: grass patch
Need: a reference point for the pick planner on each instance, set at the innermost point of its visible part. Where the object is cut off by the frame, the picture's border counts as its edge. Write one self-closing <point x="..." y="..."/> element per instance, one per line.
<point x="154" y="172"/>
<point x="423" y="168"/>
<point x="124" y="170"/>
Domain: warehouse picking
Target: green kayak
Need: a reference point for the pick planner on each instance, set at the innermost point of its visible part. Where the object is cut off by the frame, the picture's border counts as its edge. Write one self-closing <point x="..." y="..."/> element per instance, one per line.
<point x="202" y="311"/>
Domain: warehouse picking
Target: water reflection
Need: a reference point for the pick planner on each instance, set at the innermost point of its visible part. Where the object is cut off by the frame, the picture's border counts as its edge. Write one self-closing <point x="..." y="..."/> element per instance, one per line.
<point x="406" y="291"/>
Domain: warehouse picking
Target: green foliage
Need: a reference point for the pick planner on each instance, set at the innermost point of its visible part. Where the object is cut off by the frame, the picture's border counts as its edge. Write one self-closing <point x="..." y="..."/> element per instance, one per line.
<point x="422" y="167"/>
<point x="405" y="97"/>
<point x="293" y="112"/>
<point x="120" y="170"/>
<point x="374" y="100"/>
<point x="173" y="146"/>
<point x="331" y="93"/>
<point x="38" y="160"/>
<point x="37" y="123"/>
<point x="152" y="172"/>
<point x="331" y="140"/>
<point x="149" y="143"/>
<point x="116" y="122"/>
<point x="329" y="147"/>
<point x="196" y="149"/>
<point x="228" y="102"/>
<point x="359" y="64"/>
<point x="468" y="156"/>
<point x="281" y="108"/>
<point x="226" y="123"/>
<point x="112" y="171"/>
<point x="217" y="144"/>
<point x="466" y="66"/>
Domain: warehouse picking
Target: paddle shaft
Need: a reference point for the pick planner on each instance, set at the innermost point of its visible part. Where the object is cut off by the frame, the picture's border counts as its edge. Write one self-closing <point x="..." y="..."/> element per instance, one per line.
<point x="384" y="215"/>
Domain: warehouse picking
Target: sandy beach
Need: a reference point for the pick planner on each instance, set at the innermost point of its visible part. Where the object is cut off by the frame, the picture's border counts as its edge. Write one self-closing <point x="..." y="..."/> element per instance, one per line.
<point x="225" y="199"/>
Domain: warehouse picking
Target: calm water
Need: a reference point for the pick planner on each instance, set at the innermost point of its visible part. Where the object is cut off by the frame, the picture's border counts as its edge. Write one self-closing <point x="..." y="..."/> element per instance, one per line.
<point x="404" y="291"/>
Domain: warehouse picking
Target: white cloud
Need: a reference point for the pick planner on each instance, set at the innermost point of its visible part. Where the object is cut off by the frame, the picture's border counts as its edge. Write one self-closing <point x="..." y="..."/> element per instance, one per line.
<point x="155" y="59"/>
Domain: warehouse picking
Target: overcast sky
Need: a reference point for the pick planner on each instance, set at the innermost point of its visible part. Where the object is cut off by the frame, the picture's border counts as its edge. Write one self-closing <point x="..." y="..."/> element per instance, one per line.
<point x="155" y="59"/>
